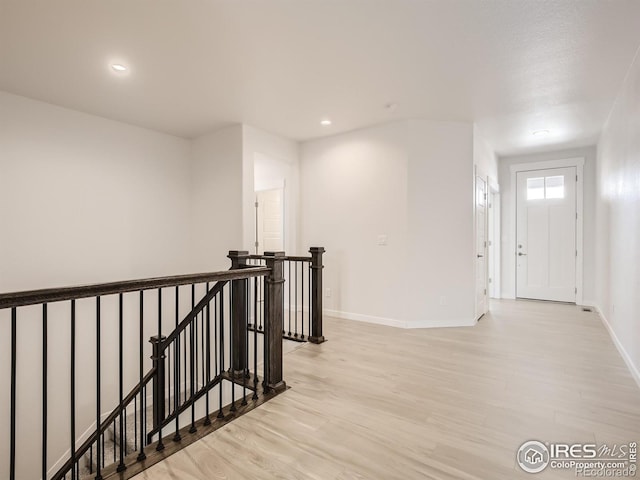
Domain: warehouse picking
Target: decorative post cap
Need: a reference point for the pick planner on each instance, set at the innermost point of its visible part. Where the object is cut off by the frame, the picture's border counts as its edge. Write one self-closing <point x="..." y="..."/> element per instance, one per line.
<point x="238" y="253"/>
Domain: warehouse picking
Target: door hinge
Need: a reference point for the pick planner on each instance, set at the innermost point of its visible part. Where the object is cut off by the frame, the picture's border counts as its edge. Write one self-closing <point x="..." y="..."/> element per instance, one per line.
<point x="576" y="178"/>
<point x="576" y="253"/>
<point x="255" y="244"/>
<point x="485" y="291"/>
<point x="576" y="289"/>
<point x="256" y="205"/>
<point x="576" y="215"/>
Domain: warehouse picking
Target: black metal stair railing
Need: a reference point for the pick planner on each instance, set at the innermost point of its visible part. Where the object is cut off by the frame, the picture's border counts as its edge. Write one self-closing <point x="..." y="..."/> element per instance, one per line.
<point x="302" y="320"/>
<point x="204" y="360"/>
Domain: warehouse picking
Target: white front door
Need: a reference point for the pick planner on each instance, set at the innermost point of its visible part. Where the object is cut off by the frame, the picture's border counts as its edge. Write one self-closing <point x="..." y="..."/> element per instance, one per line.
<point x="546" y="234"/>
<point x="481" y="247"/>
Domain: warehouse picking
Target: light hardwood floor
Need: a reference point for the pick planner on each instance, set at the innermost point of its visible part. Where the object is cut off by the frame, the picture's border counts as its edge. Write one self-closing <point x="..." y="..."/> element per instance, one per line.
<point x="377" y="402"/>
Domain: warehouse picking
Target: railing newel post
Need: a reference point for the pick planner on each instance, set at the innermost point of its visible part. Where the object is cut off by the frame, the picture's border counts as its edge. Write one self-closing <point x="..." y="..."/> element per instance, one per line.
<point x="239" y="314"/>
<point x="158" y="356"/>
<point x="316" y="295"/>
<point x="274" y="296"/>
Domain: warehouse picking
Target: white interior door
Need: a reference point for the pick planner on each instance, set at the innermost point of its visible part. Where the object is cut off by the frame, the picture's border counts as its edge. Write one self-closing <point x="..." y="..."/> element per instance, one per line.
<point x="546" y="234"/>
<point x="270" y="220"/>
<point x="481" y="247"/>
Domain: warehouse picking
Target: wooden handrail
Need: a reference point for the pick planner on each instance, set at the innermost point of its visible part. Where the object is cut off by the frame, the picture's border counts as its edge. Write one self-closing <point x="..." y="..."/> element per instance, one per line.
<point x="49" y="295"/>
<point x="285" y="258"/>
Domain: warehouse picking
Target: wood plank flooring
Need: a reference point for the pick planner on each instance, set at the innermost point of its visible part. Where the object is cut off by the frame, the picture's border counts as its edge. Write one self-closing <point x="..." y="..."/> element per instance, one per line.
<point x="377" y="402"/>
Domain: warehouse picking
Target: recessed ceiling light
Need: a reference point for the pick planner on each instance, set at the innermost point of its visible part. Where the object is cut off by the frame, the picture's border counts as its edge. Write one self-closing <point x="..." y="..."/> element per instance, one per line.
<point x="325" y="123"/>
<point x="541" y="133"/>
<point x="119" y="68"/>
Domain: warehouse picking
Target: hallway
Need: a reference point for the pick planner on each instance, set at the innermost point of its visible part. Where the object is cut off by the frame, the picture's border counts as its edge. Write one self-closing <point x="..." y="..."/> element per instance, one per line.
<point x="377" y="402"/>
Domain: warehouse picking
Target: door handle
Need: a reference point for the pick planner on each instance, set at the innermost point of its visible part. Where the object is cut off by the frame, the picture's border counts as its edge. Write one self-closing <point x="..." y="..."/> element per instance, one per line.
<point x="480" y="256"/>
<point x="520" y="254"/>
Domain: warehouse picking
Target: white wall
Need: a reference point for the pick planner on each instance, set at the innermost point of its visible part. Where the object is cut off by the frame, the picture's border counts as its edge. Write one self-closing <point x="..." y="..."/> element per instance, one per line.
<point x="82" y="200"/>
<point x="270" y="161"/>
<point x="484" y="157"/>
<point x="217" y="198"/>
<point x="390" y="180"/>
<point x="441" y="252"/>
<point x="507" y="193"/>
<point x="618" y="221"/>
<point x="355" y="188"/>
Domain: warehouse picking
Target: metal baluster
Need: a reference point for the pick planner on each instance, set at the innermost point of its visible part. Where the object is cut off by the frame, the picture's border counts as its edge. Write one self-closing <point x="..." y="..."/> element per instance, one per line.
<point x="125" y="433"/>
<point x="255" y="340"/>
<point x="115" y="445"/>
<point x="144" y="409"/>
<point x="141" y="455"/>
<point x="216" y="372"/>
<point x="73" y="390"/>
<point x="245" y="365"/>
<point x="302" y="300"/>
<point x="289" y="282"/>
<point x="121" y="465"/>
<point x="103" y="454"/>
<point x="168" y="375"/>
<point x="194" y="322"/>
<point x="221" y="306"/>
<point x="135" y="423"/>
<point x="265" y="342"/>
<point x="160" y="445"/>
<point x="191" y="347"/>
<point x="98" y="389"/>
<point x="231" y="350"/>
<point x="12" y="454"/>
<point x="202" y="345"/>
<point x="207" y="420"/>
<point x="310" y="300"/>
<point x="44" y="389"/>
<point x="176" y="368"/>
<point x="295" y="269"/>
<point x="260" y="281"/>
<point x="184" y="352"/>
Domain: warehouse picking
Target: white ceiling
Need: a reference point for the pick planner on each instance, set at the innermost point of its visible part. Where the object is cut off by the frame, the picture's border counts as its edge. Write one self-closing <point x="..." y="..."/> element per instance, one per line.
<point x="512" y="66"/>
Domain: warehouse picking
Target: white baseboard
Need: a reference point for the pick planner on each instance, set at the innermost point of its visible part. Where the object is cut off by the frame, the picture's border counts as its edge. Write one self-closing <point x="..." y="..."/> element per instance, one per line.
<point x="635" y="372"/>
<point x="392" y="322"/>
<point x="79" y="441"/>
<point x="441" y="323"/>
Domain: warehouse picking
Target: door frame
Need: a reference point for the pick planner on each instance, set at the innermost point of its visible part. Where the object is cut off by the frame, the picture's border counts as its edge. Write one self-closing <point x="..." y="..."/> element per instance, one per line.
<point x="493" y="236"/>
<point x="481" y="176"/>
<point x="578" y="163"/>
